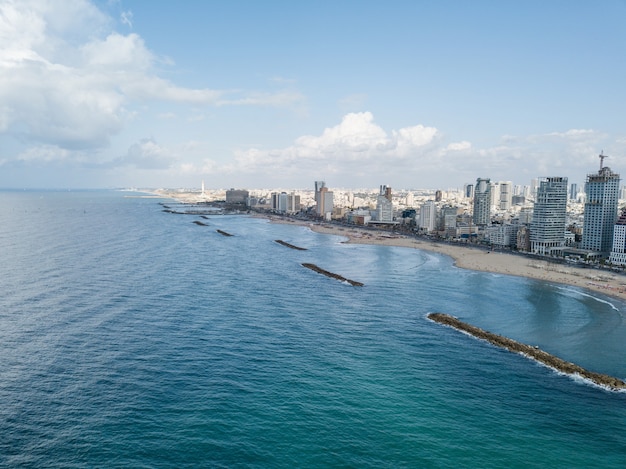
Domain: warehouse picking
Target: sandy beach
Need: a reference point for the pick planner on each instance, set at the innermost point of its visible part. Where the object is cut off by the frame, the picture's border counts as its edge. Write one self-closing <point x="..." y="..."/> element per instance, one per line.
<point x="608" y="283"/>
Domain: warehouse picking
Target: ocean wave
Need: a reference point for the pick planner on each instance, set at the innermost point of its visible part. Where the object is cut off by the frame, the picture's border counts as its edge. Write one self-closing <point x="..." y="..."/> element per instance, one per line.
<point x="588" y="295"/>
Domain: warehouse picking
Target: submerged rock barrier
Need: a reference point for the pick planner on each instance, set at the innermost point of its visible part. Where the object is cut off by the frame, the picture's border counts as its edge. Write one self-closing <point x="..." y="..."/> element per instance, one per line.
<point x="533" y="352"/>
<point x="284" y="243"/>
<point x="198" y="222"/>
<point x="223" y="233"/>
<point x="319" y="270"/>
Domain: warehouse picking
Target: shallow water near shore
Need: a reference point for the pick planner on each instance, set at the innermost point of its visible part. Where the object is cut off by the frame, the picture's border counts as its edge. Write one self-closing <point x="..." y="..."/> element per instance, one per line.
<point x="131" y="337"/>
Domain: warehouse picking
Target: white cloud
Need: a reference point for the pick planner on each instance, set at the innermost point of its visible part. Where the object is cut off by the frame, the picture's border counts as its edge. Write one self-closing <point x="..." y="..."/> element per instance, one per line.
<point x="126" y="17"/>
<point x="459" y="146"/>
<point x="356" y="145"/>
<point x="65" y="82"/>
<point x="148" y="154"/>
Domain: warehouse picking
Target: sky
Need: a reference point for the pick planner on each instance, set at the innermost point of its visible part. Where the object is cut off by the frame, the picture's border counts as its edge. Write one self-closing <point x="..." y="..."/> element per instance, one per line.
<point x="414" y="94"/>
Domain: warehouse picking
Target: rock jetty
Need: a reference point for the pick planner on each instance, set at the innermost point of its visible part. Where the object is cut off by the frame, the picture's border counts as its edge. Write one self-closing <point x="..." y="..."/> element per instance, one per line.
<point x="223" y="233"/>
<point x="533" y="352"/>
<point x="198" y="222"/>
<point x="319" y="270"/>
<point x="284" y="243"/>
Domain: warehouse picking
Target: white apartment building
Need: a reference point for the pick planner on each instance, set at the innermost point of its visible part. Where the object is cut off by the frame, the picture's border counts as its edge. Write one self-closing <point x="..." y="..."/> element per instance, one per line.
<point x="428" y="216"/>
<point x="547" y="229"/>
<point x="618" y="252"/>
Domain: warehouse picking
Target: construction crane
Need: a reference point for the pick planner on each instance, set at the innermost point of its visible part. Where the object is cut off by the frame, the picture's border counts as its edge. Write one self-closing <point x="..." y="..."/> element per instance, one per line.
<point x="602" y="156"/>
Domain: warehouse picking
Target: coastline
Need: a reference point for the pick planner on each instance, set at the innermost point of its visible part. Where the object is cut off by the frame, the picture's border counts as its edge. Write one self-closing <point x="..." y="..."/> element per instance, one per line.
<point x="607" y="283"/>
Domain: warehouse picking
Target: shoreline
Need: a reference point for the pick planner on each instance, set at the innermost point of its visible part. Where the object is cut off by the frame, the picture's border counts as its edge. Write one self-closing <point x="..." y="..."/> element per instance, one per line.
<point x="606" y="283"/>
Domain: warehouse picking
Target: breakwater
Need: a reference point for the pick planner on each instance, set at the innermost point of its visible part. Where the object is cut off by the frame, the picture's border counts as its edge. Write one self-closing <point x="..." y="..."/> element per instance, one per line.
<point x="223" y="233"/>
<point x="284" y="243"/>
<point x="533" y="352"/>
<point x="319" y="270"/>
<point x="199" y="223"/>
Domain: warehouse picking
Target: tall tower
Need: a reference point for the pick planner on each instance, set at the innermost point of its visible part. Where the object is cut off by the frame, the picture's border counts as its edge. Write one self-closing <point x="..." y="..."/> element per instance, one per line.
<point x="384" y="206"/>
<point x="602" y="191"/>
<point x="323" y="199"/>
<point x="428" y="216"/>
<point x="506" y="195"/>
<point x="482" y="202"/>
<point x="547" y="229"/>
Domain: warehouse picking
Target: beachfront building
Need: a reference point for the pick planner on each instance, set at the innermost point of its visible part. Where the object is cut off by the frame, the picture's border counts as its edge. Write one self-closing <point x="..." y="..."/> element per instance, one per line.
<point x="293" y="203"/>
<point x="448" y="220"/>
<point x="618" y="252"/>
<point x="323" y="200"/>
<point x="384" y="206"/>
<point x="428" y="216"/>
<point x="279" y="201"/>
<point x="234" y="196"/>
<point x="502" y="235"/>
<point x="547" y="229"/>
<point x="482" y="202"/>
<point x="602" y="190"/>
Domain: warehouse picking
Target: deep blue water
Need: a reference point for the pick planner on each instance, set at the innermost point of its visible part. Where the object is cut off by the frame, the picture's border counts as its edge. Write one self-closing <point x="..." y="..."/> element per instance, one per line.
<point x="130" y="337"/>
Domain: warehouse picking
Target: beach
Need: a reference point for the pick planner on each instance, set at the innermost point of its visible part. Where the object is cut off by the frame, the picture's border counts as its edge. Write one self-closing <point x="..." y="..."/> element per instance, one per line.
<point x="480" y="259"/>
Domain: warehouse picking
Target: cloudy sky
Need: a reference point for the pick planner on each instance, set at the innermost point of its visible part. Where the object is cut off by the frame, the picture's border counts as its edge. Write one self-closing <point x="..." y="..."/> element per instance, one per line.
<point x="279" y="93"/>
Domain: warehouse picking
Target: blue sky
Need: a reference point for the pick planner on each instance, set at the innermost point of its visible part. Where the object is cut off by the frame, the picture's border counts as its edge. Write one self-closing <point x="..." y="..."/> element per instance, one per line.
<point x="413" y="94"/>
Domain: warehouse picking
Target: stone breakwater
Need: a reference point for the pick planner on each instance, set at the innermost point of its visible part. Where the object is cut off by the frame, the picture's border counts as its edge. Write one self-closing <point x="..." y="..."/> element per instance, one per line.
<point x="319" y="270"/>
<point x="530" y="351"/>
<point x="286" y="244"/>
<point x="223" y="233"/>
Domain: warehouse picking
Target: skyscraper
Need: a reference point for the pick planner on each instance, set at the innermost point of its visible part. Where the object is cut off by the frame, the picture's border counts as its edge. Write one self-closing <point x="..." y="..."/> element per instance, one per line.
<point x="323" y="199"/>
<point x="547" y="229"/>
<point x="618" y="252"/>
<point x="482" y="202"/>
<point x="384" y="206"/>
<point x="428" y="216"/>
<point x="602" y="191"/>
<point x="506" y="195"/>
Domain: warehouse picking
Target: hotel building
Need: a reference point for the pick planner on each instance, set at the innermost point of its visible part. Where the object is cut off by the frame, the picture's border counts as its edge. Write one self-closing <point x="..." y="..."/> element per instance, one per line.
<point x="602" y="190"/>
<point x="547" y="229"/>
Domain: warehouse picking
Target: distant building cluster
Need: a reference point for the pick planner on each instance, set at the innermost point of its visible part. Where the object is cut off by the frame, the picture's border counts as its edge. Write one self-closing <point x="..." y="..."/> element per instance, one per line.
<point x="549" y="217"/>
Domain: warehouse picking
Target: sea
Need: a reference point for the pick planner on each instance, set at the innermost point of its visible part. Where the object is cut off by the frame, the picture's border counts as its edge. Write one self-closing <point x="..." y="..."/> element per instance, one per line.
<point x="135" y="338"/>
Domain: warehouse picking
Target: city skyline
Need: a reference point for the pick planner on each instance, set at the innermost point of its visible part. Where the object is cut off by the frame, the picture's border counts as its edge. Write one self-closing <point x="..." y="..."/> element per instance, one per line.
<point x="97" y="94"/>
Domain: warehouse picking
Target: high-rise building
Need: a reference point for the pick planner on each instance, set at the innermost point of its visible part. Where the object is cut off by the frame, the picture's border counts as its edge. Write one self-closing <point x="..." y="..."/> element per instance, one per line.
<point x="534" y="184"/>
<point x="384" y="207"/>
<point x="602" y="192"/>
<point x="618" y="252"/>
<point x="506" y="195"/>
<point x="573" y="191"/>
<point x="482" y="202"/>
<point x="495" y="194"/>
<point x="323" y="200"/>
<point x="547" y="229"/>
<point x="469" y="191"/>
<point x="428" y="216"/>
<point x="293" y="203"/>
<point x="449" y="217"/>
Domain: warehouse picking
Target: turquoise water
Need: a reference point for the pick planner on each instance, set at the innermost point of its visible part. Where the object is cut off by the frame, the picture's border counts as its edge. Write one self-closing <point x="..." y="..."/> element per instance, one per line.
<point x="130" y="337"/>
